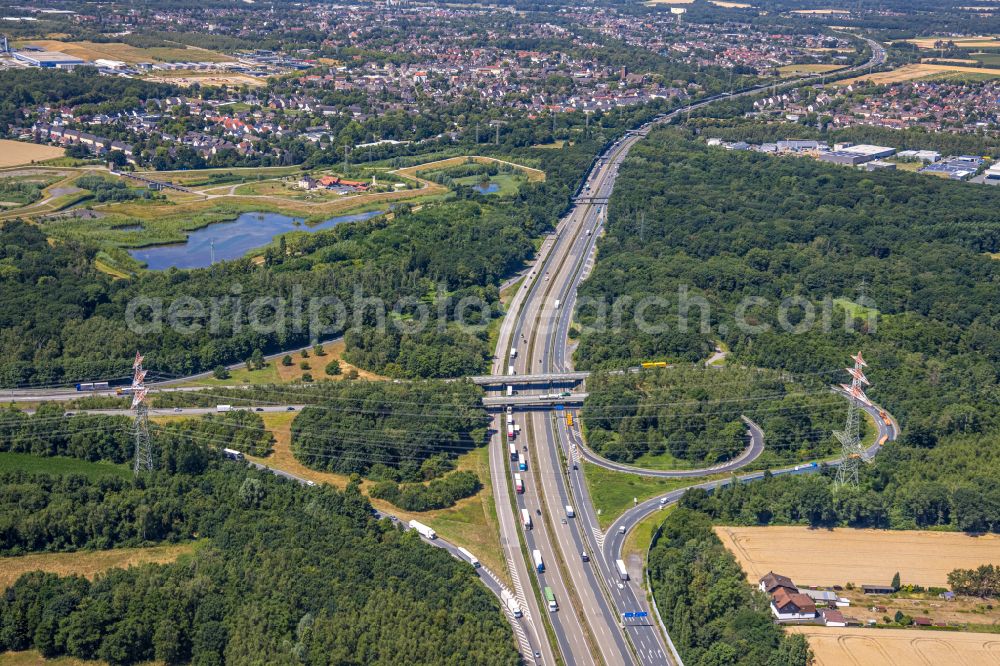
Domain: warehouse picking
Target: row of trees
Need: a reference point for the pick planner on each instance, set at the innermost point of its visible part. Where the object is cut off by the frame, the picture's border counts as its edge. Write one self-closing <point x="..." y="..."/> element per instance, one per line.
<point x="713" y="616"/>
<point x="983" y="581"/>
<point x="885" y="498"/>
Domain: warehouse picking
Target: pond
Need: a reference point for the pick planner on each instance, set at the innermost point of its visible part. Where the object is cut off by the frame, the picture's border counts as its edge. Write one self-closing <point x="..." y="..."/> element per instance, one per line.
<point x="486" y="188"/>
<point x="232" y="240"/>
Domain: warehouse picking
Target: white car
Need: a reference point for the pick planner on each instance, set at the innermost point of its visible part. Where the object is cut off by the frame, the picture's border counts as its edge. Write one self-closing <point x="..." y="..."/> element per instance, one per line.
<point x="621" y="530"/>
<point x="663" y="500"/>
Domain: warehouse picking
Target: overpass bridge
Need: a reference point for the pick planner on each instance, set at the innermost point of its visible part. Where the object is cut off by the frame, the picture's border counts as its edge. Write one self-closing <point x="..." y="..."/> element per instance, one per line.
<point x="530" y="402"/>
<point x="545" y="379"/>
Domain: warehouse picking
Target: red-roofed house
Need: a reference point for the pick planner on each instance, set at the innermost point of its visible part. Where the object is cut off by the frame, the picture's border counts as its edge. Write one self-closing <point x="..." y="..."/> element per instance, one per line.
<point x="792" y="606"/>
<point x="772" y="581"/>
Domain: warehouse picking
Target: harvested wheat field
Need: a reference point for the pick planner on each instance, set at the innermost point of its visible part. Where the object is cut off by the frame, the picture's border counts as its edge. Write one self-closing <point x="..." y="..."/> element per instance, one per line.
<point x="837" y="646"/>
<point x="87" y="563"/>
<point x="14" y="153"/>
<point x="960" y="42"/>
<point x="839" y="556"/>
<point x="923" y="70"/>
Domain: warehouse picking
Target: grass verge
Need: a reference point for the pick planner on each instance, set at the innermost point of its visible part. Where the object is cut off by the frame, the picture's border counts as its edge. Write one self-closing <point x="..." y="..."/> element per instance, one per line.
<point x="26" y="462"/>
<point x="89" y="563"/>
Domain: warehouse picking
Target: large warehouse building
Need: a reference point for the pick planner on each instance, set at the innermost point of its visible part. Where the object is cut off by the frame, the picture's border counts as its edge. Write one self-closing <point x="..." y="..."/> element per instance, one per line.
<point x="48" y="59"/>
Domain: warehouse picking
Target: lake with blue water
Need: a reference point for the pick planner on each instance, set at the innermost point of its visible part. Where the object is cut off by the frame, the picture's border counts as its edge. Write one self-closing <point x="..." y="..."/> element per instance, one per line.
<point x="486" y="188"/>
<point x="232" y="239"/>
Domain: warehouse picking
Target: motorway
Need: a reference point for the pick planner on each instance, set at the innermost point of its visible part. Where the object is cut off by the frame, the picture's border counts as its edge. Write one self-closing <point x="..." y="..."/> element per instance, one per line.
<point x="541" y="313"/>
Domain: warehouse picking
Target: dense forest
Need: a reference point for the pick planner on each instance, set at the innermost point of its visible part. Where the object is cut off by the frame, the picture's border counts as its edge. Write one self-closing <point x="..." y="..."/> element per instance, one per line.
<point x="730" y="226"/>
<point x="694" y="414"/>
<point x="92" y="437"/>
<point x="713" y="616"/>
<point x="391" y="432"/>
<point x="340" y="587"/>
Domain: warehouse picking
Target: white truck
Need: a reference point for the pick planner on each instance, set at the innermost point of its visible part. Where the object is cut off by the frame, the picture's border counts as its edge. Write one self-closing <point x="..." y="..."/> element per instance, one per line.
<point x="232" y="454"/>
<point x="557" y="303"/>
<point x="518" y="484"/>
<point x="526" y="519"/>
<point x="513" y="451"/>
<point x="470" y="557"/>
<point x="510" y="601"/>
<point x="423" y="530"/>
<point x="536" y="555"/>
<point x="622" y="571"/>
<point x="223" y="408"/>
<point x="513" y="353"/>
<point x="569" y="511"/>
<point x="510" y="370"/>
<point x="510" y="391"/>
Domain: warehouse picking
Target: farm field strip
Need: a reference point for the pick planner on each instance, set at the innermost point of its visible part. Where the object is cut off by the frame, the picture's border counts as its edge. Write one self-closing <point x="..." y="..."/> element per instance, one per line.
<point x="88" y="563"/>
<point x="836" y="646"/>
<point x="16" y="153"/>
<point x="842" y="555"/>
<point x="915" y="71"/>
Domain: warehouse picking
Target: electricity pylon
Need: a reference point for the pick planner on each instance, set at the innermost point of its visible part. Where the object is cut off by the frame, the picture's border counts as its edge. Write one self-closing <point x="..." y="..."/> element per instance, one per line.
<point x="140" y="426"/>
<point x="850" y="437"/>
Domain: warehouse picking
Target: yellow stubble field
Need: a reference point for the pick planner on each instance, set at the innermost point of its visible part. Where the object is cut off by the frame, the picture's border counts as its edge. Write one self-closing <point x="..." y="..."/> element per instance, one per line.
<point x="15" y="153"/>
<point x="854" y="646"/>
<point x="839" y="556"/>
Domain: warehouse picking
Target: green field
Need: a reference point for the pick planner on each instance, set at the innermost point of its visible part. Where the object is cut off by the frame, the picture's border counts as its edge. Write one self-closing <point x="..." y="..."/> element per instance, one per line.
<point x="613" y="492"/>
<point x="987" y="59"/>
<point x="25" y="462"/>
<point x="509" y="183"/>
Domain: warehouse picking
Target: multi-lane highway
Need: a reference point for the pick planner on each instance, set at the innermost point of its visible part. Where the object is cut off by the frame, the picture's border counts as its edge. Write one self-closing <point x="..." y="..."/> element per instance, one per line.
<point x="533" y="340"/>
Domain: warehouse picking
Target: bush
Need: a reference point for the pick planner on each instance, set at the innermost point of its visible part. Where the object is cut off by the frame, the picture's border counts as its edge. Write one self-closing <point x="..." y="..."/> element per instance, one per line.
<point x="286" y="360"/>
<point x="306" y="377"/>
<point x="438" y="494"/>
<point x="333" y="368"/>
<point x="221" y="372"/>
<point x="304" y="365"/>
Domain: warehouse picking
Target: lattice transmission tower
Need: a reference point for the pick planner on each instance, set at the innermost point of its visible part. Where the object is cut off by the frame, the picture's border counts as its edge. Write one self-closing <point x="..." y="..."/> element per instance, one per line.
<point x="852" y="453"/>
<point x="140" y="426"/>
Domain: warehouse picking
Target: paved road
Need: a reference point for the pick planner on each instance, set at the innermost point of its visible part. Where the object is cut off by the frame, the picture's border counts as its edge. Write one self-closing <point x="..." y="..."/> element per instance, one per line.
<point x="751" y="453"/>
<point x="184" y="411"/>
<point x="612" y="548"/>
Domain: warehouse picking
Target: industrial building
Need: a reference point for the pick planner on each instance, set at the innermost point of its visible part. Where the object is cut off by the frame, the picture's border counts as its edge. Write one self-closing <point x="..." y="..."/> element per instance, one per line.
<point x="843" y="157"/>
<point x="48" y="59"/>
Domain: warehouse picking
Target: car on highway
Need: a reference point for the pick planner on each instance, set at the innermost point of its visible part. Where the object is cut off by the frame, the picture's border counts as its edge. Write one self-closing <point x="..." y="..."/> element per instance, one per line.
<point x="621" y="530"/>
<point x="663" y="500"/>
<point x="563" y="521"/>
<point x="68" y="414"/>
<point x="291" y="409"/>
<point x="259" y="409"/>
<point x="584" y="556"/>
<point x="178" y="409"/>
